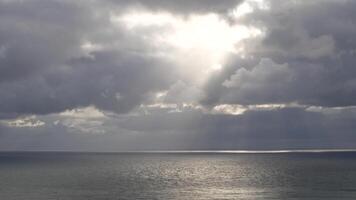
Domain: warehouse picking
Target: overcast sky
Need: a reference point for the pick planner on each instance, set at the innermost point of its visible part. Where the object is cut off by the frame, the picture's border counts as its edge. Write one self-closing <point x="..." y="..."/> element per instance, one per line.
<point x="116" y="75"/>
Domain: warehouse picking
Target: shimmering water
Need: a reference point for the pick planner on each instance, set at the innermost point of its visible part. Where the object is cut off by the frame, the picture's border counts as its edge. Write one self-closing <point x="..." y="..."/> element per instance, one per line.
<point x="79" y="176"/>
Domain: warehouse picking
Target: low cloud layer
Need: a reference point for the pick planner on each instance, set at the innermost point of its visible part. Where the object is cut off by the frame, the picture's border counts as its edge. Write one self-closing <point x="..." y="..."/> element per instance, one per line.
<point x="252" y="74"/>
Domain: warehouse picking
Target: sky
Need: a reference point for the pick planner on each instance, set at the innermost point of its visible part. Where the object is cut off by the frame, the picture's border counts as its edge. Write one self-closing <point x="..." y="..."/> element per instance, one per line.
<point x="120" y="75"/>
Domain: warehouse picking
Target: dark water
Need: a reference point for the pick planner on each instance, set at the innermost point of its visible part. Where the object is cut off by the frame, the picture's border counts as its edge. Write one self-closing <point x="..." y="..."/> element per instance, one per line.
<point x="79" y="176"/>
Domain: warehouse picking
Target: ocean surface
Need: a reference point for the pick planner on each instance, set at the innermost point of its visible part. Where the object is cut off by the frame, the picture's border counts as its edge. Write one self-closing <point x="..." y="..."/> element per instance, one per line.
<point x="106" y="176"/>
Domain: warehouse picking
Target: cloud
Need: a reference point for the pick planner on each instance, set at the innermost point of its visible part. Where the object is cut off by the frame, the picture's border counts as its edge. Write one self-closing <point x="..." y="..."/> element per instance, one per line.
<point x="179" y="7"/>
<point x="267" y="82"/>
<point x="277" y="128"/>
<point x="171" y="74"/>
<point x="68" y="55"/>
<point x="45" y="68"/>
<point x="28" y="121"/>
<point x="310" y="61"/>
<point x="35" y="35"/>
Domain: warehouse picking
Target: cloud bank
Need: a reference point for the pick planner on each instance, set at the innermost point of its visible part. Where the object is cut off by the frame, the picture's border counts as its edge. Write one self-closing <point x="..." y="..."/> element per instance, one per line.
<point x="128" y="75"/>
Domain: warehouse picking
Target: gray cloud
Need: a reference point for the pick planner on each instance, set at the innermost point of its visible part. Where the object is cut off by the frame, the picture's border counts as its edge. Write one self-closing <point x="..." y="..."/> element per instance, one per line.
<point x="179" y="7"/>
<point x="105" y="82"/>
<point x="312" y="40"/>
<point x="36" y="35"/>
<point x="44" y="68"/>
<point x="64" y="55"/>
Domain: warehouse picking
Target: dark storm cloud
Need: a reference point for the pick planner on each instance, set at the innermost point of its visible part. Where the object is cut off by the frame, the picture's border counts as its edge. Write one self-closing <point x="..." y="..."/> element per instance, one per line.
<point x="310" y="49"/>
<point x="60" y="55"/>
<point x="36" y="35"/>
<point x="105" y="82"/>
<point x="43" y="68"/>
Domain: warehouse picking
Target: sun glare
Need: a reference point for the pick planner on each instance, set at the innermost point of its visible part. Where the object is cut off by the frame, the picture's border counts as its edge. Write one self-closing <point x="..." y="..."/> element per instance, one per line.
<point x="205" y="40"/>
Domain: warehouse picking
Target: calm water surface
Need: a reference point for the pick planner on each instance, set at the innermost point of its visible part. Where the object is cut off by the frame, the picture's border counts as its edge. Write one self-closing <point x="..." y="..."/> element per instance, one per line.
<point x="79" y="176"/>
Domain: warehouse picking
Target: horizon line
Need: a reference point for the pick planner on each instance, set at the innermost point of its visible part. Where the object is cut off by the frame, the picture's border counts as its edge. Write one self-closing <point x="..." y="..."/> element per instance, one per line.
<point x="190" y="151"/>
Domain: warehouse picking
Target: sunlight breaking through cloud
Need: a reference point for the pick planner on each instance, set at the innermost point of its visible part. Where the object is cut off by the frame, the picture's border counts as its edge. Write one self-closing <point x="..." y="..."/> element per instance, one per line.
<point x="209" y="35"/>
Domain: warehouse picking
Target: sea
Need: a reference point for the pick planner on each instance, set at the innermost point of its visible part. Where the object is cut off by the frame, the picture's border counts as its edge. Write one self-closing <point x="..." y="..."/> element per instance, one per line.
<point x="177" y="175"/>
